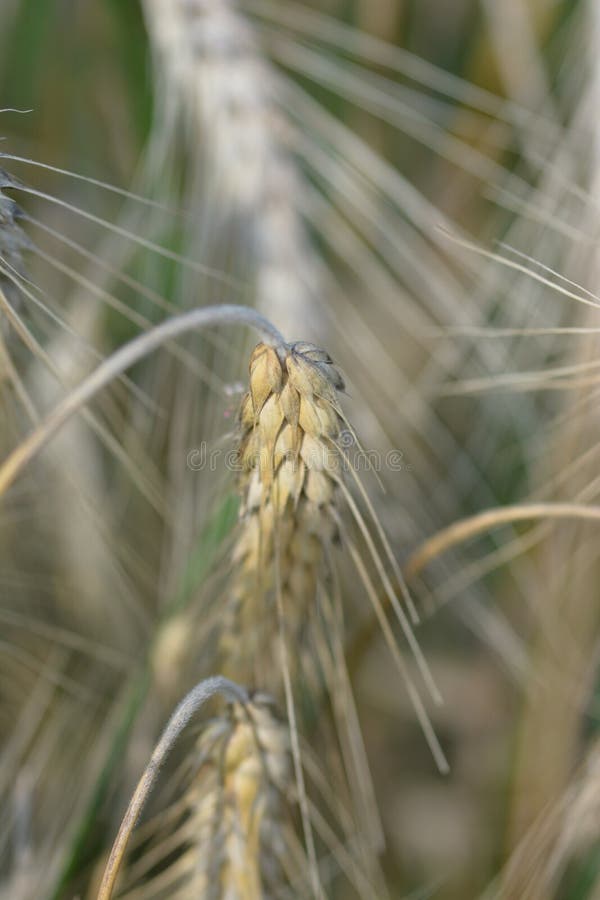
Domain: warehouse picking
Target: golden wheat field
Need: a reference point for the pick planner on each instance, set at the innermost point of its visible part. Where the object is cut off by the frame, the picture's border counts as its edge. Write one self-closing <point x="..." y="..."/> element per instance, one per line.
<point x="299" y="450"/>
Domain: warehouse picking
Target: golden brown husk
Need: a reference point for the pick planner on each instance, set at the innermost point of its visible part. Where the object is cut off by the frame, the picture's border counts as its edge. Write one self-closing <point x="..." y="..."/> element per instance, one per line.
<point x="230" y="834"/>
<point x="240" y="803"/>
<point x="290" y="460"/>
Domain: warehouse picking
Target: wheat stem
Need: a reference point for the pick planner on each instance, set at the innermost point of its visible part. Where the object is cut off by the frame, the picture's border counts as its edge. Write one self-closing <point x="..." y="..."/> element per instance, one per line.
<point x="118" y="363"/>
<point x="215" y="71"/>
<point x="468" y="528"/>
<point x="187" y="709"/>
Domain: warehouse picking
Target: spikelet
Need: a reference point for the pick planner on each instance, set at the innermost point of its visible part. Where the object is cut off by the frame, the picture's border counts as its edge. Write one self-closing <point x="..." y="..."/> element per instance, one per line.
<point x="238" y="805"/>
<point x="290" y="462"/>
<point x="234" y="837"/>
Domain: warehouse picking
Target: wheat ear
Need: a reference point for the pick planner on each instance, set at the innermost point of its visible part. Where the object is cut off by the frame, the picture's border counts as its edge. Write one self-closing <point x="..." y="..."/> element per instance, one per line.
<point x="292" y="459"/>
<point x="291" y="456"/>
<point x="236" y="801"/>
<point x="187" y="709"/>
<point x="228" y="830"/>
<point x="289" y="459"/>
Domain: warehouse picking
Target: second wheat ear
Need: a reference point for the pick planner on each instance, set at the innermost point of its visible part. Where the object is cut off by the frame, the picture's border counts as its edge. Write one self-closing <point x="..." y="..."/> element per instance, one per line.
<point x="187" y="709"/>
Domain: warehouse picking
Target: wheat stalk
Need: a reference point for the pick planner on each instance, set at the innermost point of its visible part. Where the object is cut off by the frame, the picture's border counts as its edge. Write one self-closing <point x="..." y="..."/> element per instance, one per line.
<point x="466" y="529"/>
<point x="213" y="68"/>
<point x="119" y="362"/>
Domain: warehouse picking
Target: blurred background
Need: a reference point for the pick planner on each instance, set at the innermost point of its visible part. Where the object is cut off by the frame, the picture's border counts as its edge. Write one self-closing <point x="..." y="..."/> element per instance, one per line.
<point x="414" y="186"/>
